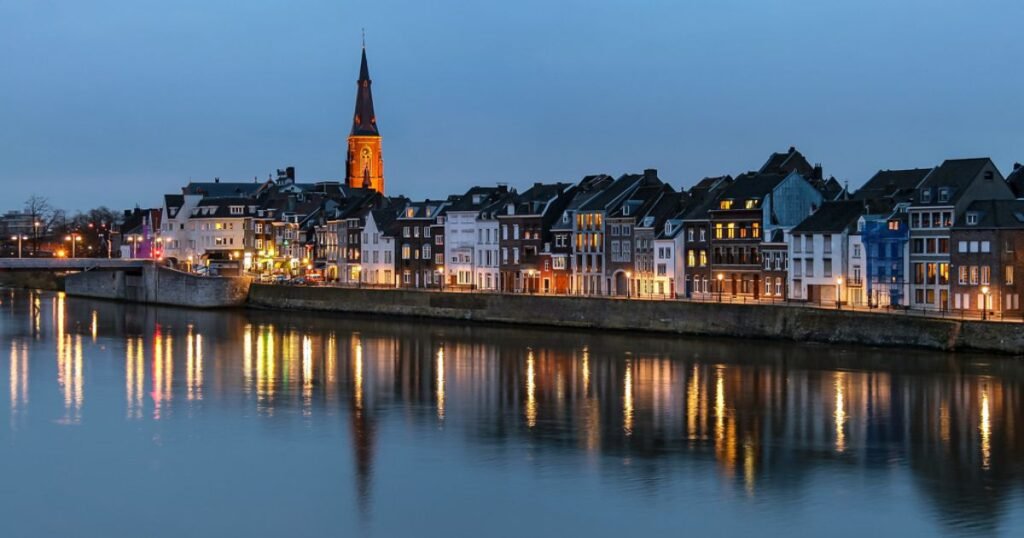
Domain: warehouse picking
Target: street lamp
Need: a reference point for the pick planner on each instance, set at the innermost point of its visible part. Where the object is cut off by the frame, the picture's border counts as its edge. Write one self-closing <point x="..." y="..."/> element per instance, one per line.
<point x="440" y="277"/>
<point x="721" y="277"/>
<point x="75" y="237"/>
<point x="629" y="284"/>
<point x="839" y="292"/>
<point x="35" y="237"/>
<point x="19" y="238"/>
<point x="984" y="304"/>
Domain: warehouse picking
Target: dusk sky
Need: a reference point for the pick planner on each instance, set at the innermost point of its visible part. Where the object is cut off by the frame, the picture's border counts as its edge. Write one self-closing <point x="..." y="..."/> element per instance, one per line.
<point x="118" y="102"/>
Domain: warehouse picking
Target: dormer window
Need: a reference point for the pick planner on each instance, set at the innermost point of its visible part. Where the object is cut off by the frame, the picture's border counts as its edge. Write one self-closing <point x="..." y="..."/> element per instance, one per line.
<point x="625" y="209"/>
<point x="926" y="196"/>
<point x="972" y="218"/>
<point x="410" y="212"/>
<point x="750" y="204"/>
<point x="237" y="210"/>
<point x="944" y="194"/>
<point x="725" y="204"/>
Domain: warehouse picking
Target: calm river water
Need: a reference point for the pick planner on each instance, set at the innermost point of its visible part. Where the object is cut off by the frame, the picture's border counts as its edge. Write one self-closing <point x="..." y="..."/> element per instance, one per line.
<point x="125" y="420"/>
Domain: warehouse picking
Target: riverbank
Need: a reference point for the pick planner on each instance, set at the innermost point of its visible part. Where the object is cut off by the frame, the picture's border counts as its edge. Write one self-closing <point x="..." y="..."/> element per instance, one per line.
<point x="676" y="317"/>
<point x="32" y="280"/>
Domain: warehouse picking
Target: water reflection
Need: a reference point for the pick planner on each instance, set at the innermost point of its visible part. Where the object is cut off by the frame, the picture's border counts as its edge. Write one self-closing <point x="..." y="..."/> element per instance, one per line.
<point x="768" y="419"/>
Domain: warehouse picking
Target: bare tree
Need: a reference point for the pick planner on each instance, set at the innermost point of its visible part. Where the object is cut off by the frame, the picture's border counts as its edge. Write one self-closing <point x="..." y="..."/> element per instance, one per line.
<point x="39" y="208"/>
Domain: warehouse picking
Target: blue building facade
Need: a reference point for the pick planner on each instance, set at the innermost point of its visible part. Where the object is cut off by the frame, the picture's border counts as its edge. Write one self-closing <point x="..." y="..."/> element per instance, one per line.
<point x="885" y="239"/>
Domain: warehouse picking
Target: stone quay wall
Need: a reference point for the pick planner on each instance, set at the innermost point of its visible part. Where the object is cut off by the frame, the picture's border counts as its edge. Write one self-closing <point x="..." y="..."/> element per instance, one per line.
<point x="794" y="323"/>
<point x="156" y="284"/>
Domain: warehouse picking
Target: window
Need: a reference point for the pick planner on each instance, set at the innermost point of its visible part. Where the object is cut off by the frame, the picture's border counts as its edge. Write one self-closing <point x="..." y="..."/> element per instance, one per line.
<point x="986" y="275"/>
<point x="504" y="232"/>
<point x="926" y="196"/>
<point x="974" y="274"/>
<point x="725" y="204"/>
<point x="515" y="231"/>
<point x="515" y="255"/>
<point x="961" y="246"/>
<point x="731" y="230"/>
<point x="703" y="258"/>
<point x="962" y="274"/>
<point x="1008" y="278"/>
<point x="406" y="250"/>
<point x="828" y="244"/>
<point x="915" y="220"/>
<point x="405" y="231"/>
<point x="974" y="246"/>
<point x="426" y="251"/>
<point x="689" y="234"/>
<point x="691" y="259"/>
<point x="702" y="234"/>
<point x="438" y="239"/>
<point x="828" y="268"/>
<point x="757" y="230"/>
<point x="718" y="230"/>
<point x="972" y="218"/>
<point x="944" y="194"/>
<point x="986" y="246"/>
<point x="856" y="251"/>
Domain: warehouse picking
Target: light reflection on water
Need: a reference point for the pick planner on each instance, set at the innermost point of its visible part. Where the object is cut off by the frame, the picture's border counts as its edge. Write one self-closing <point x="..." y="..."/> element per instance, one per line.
<point x="347" y="426"/>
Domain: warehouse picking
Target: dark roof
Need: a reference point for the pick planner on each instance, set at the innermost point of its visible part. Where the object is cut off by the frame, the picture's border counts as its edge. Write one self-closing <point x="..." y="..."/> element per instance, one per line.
<point x="790" y="161"/>
<point x="751" y="185"/>
<point x="174" y="200"/>
<point x="477" y="198"/>
<point x="364" y="122"/>
<point x="221" y="207"/>
<point x="835" y="216"/>
<point x="894" y="185"/>
<point x="613" y="193"/>
<point x="537" y="199"/>
<point x="1016" y="180"/>
<point x="219" y="189"/>
<point x="994" y="214"/>
<point x="956" y="174"/>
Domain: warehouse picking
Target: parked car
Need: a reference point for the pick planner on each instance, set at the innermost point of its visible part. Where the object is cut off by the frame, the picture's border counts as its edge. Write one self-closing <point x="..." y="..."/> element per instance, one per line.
<point x="280" y="279"/>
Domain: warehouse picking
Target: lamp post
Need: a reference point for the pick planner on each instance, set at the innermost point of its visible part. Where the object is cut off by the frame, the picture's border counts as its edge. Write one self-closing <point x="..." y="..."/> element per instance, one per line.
<point x="629" y="284"/>
<point x="839" y="293"/>
<point x="440" y="278"/>
<point x="721" y="278"/>
<point x="75" y="237"/>
<point x="35" y="237"/>
<point x="19" y="238"/>
<point x="984" y="304"/>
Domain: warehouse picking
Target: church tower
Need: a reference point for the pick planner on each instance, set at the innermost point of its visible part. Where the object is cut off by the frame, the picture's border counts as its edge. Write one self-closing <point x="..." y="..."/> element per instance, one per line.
<point x="365" y="166"/>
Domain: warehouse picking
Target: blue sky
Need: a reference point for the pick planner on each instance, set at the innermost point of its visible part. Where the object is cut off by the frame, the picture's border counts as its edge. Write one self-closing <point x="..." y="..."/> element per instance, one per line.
<point x="116" y="102"/>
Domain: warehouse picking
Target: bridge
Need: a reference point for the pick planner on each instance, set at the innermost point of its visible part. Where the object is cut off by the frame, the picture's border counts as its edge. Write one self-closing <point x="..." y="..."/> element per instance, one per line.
<point x="70" y="264"/>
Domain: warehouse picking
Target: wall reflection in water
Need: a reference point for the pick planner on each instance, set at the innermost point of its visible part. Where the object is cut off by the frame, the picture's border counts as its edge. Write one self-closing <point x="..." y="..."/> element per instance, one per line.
<point x="765" y="415"/>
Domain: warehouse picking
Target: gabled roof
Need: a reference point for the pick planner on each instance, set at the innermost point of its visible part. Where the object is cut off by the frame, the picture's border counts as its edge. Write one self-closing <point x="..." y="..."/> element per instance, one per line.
<point x="784" y="163"/>
<point x="537" y="199"/>
<point x="896" y="186"/>
<point x="832" y="217"/>
<point x="955" y="174"/>
<point x="613" y="194"/>
<point x="1006" y="214"/>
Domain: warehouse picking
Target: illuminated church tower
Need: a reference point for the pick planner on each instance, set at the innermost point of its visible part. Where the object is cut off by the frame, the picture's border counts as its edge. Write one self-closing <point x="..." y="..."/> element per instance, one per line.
<point x="365" y="166"/>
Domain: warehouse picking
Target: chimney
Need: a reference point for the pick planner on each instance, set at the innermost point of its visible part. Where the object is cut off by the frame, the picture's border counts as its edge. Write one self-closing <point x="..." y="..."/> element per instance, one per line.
<point x="290" y="172"/>
<point x="651" y="173"/>
<point x="1016" y="166"/>
<point x="818" y="172"/>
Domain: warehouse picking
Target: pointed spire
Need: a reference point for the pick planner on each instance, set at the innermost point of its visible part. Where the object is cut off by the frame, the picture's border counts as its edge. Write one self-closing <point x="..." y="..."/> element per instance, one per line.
<point x="364" y="122"/>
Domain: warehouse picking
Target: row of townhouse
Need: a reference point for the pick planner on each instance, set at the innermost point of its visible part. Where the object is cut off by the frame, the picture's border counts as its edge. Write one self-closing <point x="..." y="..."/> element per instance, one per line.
<point x="942" y="238"/>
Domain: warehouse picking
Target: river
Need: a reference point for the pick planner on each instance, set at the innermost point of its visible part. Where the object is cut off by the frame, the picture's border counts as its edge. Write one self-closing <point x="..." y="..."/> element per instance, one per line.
<point x="132" y="420"/>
